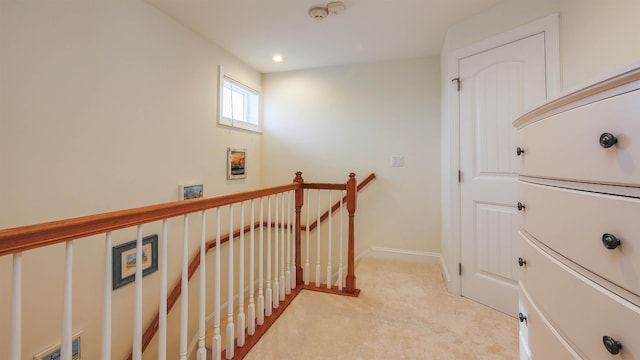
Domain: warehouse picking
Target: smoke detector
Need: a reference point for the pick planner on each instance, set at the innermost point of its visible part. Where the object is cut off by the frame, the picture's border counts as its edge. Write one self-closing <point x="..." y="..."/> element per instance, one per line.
<point x="336" y="8"/>
<point x="318" y="13"/>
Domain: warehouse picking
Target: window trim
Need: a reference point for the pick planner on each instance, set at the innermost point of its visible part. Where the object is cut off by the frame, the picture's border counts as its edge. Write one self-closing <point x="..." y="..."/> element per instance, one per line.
<point x="248" y="86"/>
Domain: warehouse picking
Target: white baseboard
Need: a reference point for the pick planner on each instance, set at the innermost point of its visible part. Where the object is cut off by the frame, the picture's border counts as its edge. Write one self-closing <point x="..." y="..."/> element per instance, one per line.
<point x="401" y="254"/>
<point x="452" y="281"/>
<point x="446" y="276"/>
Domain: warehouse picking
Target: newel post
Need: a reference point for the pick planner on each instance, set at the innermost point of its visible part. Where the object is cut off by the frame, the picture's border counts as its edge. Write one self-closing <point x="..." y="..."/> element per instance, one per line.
<point x="351" y="208"/>
<point x="299" y="195"/>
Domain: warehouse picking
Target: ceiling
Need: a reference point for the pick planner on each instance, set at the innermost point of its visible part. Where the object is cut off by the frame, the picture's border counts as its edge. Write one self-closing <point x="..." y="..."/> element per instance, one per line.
<point x="368" y="30"/>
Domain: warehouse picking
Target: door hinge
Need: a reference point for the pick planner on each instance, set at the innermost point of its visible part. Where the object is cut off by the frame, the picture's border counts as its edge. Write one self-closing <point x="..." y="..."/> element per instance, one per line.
<point x="459" y="176"/>
<point x="457" y="80"/>
<point x="460" y="269"/>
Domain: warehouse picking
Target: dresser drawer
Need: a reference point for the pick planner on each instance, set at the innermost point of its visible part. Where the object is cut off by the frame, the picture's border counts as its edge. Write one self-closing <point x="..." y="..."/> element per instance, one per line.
<point x="573" y="223"/>
<point x="537" y="333"/>
<point x="566" y="146"/>
<point x="581" y="311"/>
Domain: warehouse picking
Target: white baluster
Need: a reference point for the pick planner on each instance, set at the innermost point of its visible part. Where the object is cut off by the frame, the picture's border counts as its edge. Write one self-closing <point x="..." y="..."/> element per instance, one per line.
<point x="276" y="257"/>
<point x="292" y="226"/>
<point x="162" y="315"/>
<point x="106" y="307"/>
<point x="241" y="321"/>
<point x="65" y="350"/>
<point x="216" y="341"/>
<point x="230" y="326"/>
<point x="137" y="312"/>
<point x="16" y="308"/>
<point x="330" y="240"/>
<point x="287" y="274"/>
<point x="341" y="244"/>
<point x="184" y="288"/>
<point x="201" y="354"/>
<point x="318" y="245"/>
<point x="251" y="310"/>
<point x="283" y="283"/>
<point x="268" y="306"/>
<point x="307" y="267"/>
<point x="261" y="307"/>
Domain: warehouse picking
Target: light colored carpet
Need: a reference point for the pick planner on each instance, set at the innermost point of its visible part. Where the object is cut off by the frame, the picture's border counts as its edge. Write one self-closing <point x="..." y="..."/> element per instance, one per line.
<point x="403" y="312"/>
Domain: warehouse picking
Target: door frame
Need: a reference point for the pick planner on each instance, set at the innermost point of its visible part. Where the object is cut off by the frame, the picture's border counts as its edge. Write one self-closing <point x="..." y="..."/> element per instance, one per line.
<point x="451" y="241"/>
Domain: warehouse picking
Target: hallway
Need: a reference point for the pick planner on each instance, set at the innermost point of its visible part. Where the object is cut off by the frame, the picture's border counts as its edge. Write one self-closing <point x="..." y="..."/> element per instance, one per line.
<point x="403" y="312"/>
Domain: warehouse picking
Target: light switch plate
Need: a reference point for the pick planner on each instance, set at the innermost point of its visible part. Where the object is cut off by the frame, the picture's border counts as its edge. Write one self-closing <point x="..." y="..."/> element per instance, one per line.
<point x="397" y="161"/>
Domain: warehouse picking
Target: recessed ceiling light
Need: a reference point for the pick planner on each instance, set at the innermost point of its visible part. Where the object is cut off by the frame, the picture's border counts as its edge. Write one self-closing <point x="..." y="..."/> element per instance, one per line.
<point x="278" y="58"/>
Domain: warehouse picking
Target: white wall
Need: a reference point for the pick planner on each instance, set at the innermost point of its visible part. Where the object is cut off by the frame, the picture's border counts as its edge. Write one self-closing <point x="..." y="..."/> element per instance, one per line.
<point x="596" y="38"/>
<point x="104" y="105"/>
<point x="331" y="121"/>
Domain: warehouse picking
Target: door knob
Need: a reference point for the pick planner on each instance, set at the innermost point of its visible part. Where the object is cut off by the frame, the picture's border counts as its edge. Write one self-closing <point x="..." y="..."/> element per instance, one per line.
<point x="520" y="206"/>
<point x="519" y="151"/>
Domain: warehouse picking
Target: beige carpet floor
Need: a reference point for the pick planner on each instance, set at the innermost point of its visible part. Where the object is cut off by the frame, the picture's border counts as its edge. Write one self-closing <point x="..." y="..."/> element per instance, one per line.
<point x="403" y="312"/>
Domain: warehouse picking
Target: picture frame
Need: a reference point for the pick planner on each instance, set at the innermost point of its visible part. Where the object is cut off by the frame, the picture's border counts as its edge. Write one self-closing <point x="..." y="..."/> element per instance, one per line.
<point x="236" y="163"/>
<point x="124" y="260"/>
<point x="192" y="191"/>
<point x="54" y="352"/>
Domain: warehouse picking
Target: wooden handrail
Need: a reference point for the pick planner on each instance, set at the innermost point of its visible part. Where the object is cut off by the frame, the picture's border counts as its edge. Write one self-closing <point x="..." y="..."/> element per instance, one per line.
<point x="34" y="236"/>
<point x="324" y="186"/>
<point x="336" y="205"/>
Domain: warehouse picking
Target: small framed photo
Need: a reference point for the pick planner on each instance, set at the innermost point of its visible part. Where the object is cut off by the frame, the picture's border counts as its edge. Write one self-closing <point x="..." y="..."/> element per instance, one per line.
<point x="54" y="352"/>
<point x="124" y="260"/>
<point x="191" y="191"/>
<point x="236" y="163"/>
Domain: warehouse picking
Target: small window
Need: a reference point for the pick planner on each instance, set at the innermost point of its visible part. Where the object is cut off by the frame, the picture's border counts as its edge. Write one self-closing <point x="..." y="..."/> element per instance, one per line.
<point x="239" y="103"/>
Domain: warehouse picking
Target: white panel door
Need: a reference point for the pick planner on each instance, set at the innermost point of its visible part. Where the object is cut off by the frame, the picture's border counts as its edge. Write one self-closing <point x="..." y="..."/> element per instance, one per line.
<point x="496" y="86"/>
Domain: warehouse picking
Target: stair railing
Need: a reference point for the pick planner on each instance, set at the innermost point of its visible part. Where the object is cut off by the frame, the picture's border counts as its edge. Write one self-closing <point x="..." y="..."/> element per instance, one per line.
<point x="282" y="224"/>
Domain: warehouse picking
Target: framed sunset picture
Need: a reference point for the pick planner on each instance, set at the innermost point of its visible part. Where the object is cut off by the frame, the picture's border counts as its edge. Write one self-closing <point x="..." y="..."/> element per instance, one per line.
<point x="236" y="163"/>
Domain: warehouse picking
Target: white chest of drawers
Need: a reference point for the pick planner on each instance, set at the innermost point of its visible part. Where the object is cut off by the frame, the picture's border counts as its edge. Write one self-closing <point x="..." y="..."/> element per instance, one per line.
<point x="579" y="196"/>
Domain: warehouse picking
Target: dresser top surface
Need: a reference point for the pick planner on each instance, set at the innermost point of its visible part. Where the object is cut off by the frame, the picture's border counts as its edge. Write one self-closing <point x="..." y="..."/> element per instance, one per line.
<point x="623" y="80"/>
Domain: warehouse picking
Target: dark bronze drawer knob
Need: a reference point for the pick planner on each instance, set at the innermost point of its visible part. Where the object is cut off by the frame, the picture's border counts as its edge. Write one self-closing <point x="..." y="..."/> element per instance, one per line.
<point x="520" y="206"/>
<point x="522" y="262"/>
<point x="522" y="318"/>
<point x="607" y="140"/>
<point x="519" y="151"/>
<point x="610" y="241"/>
<point x="612" y="346"/>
